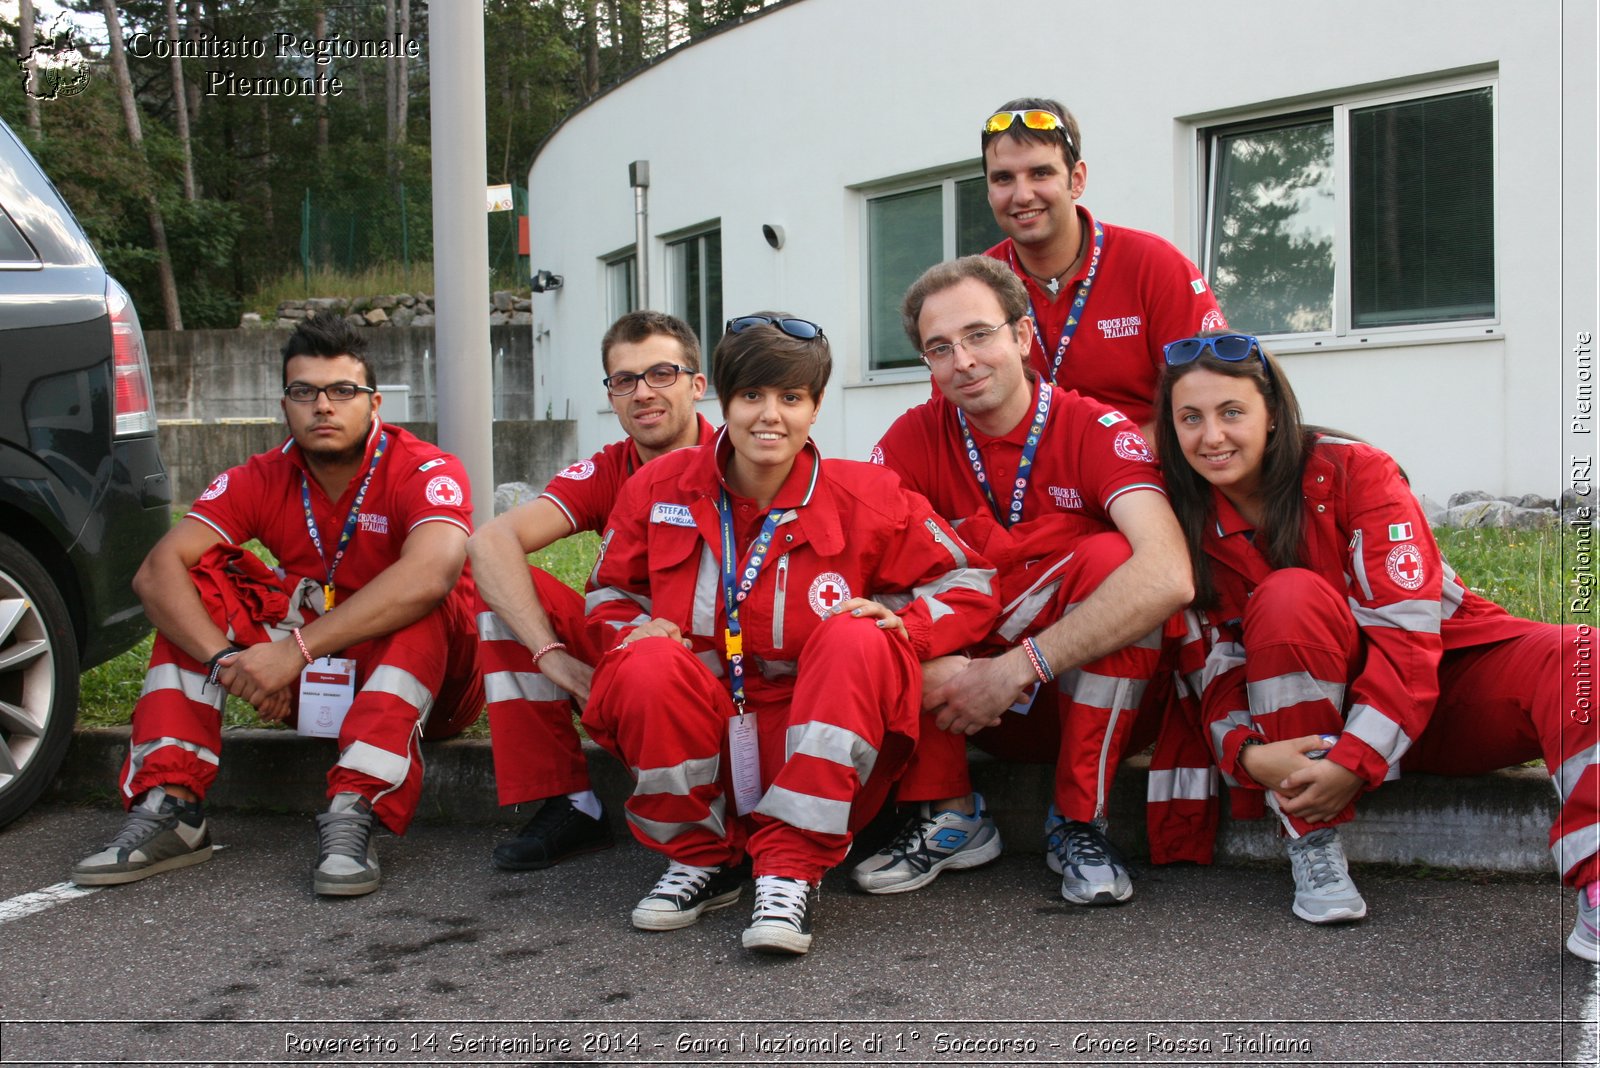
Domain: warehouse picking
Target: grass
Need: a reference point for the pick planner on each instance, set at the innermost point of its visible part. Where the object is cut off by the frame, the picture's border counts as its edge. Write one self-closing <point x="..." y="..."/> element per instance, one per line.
<point x="325" y="282"/>
<point x="1519" y="569"/>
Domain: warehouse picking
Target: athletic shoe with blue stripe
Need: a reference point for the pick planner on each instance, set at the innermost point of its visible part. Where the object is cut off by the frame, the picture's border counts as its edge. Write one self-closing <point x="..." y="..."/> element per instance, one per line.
<point x="926" y="845"/>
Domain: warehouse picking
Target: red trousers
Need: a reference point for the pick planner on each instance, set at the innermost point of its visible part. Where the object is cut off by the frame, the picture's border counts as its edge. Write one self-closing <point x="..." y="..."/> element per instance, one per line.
<point x="831" y="744"/>
<point x="537" y="752"/>
<point x="1092" y="709"/>
<point x="419" y="682"/>
<point x="1500" y="704"/>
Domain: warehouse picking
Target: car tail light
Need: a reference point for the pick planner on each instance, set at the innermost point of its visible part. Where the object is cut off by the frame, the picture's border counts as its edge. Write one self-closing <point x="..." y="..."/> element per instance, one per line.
<point x="135" y="399"/>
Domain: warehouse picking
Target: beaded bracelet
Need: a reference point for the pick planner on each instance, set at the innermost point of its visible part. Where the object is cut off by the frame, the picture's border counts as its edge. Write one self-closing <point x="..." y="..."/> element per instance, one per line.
<point x="546" y="649"/>
<point x="1041" y="667"/>
<point x="301" y="642"/>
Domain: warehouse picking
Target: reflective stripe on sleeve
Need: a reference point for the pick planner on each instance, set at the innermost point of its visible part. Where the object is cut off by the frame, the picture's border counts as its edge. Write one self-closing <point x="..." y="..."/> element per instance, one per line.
<point x="1378" y="731"/>
<point x="1292" y="688"/>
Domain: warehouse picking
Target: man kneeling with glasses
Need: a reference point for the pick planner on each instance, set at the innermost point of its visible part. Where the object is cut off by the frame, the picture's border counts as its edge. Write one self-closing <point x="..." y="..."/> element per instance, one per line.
<point x="363" y="632"/>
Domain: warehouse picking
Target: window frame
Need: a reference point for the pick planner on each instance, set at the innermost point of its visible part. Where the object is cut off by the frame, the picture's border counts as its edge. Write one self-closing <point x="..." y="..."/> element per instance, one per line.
<point x="617" y="258"/>
<point x="1340" y="108"/>
<point x="712" y="330"/>
<point x="945" y="179"/>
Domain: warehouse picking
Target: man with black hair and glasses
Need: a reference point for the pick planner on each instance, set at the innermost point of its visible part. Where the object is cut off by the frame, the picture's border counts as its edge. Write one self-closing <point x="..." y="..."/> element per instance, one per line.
<point x="363" y="632"/>
<point x="1102" y="299"/>
<point x="536" y="659"/>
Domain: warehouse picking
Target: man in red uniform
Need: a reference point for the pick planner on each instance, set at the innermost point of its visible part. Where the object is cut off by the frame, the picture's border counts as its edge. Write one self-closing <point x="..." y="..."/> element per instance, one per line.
<point x="762" y="701"/>
<point x="1102" y="299"/>
<point x="369" y="616"/>
<point x="1060" y="493"/>
<point x="536" y="659"/>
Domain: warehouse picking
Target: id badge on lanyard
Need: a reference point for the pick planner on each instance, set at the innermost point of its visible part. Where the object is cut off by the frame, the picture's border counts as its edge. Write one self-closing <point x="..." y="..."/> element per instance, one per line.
<point x="327" y="689"/>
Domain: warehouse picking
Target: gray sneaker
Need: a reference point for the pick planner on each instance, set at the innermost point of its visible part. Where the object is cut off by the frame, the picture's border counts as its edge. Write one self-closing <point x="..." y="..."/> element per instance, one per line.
<point x="1584" y="941"/>
<point x="927" y="844"/>
<point x="1323" y="889"/>
<point x="1092" y="870"/>
<point x="160" y="833"/>
<point x="346" y="863"/>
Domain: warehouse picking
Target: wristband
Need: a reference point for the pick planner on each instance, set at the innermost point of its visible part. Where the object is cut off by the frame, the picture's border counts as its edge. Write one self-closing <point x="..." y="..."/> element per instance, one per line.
<point x="1041" y="667"/>
<point x="301" y="642"/>
<point x="214" y="665"/>
<point x="546" y="649"/>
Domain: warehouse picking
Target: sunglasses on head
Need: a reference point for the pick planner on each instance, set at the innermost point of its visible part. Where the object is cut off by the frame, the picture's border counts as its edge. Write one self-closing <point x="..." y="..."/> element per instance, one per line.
<point x="1032" y="118"/>
<point x="804" y="329"/>
<point x="1233" y="348"/>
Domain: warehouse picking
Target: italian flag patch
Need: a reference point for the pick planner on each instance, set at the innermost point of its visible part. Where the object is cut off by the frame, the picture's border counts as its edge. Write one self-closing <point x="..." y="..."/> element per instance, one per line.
<point x="1400" y="532"/>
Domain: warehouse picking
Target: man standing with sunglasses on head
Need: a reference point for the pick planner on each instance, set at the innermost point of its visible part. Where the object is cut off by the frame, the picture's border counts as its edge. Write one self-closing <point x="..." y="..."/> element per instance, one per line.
<point x="1103" y="299"/>
<point x="536" y="658"/>
<point x="363" y="631"/>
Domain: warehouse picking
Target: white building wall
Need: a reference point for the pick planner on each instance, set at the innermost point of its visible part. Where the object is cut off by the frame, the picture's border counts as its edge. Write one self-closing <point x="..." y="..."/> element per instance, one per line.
<point x="784" y="120"/>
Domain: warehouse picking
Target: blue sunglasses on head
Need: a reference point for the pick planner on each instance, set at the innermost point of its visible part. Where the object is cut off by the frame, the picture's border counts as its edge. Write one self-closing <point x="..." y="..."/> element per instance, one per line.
<point x="1232" y="348"/>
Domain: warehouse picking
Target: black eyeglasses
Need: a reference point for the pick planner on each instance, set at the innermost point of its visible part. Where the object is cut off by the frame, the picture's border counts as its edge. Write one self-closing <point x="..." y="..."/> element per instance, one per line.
<point x="305" y="392"/>
<point x="804" y="329"/>
<point x="660" y="376"/>
<point x="1232" y="348"/>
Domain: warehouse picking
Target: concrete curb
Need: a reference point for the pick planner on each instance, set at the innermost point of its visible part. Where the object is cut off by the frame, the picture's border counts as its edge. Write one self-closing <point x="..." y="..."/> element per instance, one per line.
<point x="1496" y="822"/>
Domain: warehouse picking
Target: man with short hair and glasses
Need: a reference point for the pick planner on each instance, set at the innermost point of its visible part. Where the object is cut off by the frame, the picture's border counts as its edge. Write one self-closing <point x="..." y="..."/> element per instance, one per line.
<point x="1102" y="299"/>
<point x="368" y="617"/>
<point x="1061" y="494"/>
<point x="537" y="660"/>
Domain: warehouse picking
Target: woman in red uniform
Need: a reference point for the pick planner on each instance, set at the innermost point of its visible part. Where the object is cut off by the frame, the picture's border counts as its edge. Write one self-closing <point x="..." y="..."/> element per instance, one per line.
<point x="1339" y="647"/>
<point x="765" y="613"/>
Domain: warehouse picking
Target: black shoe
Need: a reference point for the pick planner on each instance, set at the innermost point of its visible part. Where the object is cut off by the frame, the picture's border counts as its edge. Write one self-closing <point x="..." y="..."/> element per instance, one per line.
<point x="684" y="892"/>
<point x="556" y="832"/>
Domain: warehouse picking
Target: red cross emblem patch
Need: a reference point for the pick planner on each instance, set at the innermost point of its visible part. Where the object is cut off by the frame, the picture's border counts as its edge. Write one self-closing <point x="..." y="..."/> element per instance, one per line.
<point x="1405" y="566"/>
<point x="829" y="590"/>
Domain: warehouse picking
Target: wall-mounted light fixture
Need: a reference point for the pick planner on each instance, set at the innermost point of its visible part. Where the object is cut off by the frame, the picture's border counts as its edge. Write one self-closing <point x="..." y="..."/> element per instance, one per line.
<point x="773" y="234"/>
<point x="545" y="281"/>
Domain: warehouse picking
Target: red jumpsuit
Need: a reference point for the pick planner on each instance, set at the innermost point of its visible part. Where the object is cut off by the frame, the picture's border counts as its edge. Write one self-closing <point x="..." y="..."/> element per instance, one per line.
<point x="537" y="753"/>
<point x="1145" y="294"/>
<point x="1060" y="552"/>
<point x="835" y="699"/>
<point x="420" y="681"/>
<point x="1375" y="639"/>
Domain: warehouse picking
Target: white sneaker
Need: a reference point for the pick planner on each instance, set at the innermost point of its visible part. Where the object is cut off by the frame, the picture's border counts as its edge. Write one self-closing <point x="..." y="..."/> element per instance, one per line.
<point x="926" y="845"/>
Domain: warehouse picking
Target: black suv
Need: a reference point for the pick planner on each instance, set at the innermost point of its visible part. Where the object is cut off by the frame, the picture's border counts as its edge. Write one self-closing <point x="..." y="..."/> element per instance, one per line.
<point x="83" y="491"/>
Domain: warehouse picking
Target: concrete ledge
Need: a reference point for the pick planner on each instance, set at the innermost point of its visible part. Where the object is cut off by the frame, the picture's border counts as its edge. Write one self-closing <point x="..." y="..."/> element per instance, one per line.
<point x="1496" y="822"/>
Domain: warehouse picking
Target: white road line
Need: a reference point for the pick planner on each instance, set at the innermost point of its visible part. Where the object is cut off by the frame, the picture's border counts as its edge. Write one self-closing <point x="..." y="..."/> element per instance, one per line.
<point x="39" y="900"/>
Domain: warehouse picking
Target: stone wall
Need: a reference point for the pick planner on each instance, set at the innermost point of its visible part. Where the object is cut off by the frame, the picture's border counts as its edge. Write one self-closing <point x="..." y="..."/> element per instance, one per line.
<point x="208" y="375"/>
<point x="524" y="451"/>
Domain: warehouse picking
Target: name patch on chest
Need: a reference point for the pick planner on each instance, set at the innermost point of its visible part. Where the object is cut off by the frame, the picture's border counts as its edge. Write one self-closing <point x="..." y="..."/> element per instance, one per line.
<point x="673" y="515"/>
<point x="1121" y="326"/>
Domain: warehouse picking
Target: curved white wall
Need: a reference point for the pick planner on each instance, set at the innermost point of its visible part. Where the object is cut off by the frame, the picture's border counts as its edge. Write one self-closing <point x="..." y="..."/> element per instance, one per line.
<point x="784" y="118"/>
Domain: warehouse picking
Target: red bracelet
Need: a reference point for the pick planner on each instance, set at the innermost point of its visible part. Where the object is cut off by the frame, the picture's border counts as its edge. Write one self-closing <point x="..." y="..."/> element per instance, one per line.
<point x="545" y="649"/>
<point x="301" y="642"/>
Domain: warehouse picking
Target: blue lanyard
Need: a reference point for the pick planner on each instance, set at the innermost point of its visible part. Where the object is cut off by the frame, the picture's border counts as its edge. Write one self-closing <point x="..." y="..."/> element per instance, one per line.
<point x="349" y="523"/>
<point x="1073" y="316"/>
<point x="1024" y="465"/>
<point x="736" y="587"/>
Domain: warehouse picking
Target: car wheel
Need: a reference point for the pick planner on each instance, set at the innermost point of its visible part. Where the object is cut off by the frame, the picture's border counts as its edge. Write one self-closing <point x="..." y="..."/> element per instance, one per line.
<point x="38" y="679"/>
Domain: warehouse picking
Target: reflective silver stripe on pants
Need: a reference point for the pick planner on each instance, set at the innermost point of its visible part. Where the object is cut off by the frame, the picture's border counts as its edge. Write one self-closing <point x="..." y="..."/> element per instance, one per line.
<point x="1020" y="615"/>
<point x="1182" y="784"/>
<point x="191" y="684"/>
<point x="1417" y="617"/>
<point x="1575" y="847"/>
<point x="715" y="822"/>
<point x="677" y="779"/>
<point x="1378" y="731"/>
<point x="707" y="585"/>
<point x="138" y="753"/>
<point x="520" y="685"/>
<point x="1102" y="691"/>
<point x="368" y="759"/>
<point x="398" y="682"/>
<point x="491" y="628"/>
<point x="806" y="812"/>
<point x="1292" y="688"/>
<point x="827" y="741"/>
<point x="1571" y="770"/>
<point x="596" y="598"/>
